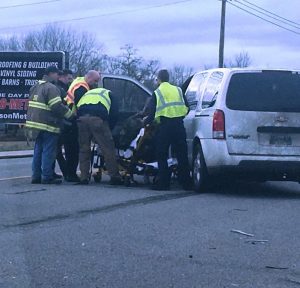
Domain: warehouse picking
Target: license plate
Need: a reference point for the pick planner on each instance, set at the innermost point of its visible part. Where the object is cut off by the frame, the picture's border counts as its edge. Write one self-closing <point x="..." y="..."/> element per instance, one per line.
<point x="281" y="140"/>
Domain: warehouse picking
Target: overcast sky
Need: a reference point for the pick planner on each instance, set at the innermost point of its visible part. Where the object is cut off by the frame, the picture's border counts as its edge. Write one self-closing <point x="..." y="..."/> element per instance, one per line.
<point x="182" y="33"/>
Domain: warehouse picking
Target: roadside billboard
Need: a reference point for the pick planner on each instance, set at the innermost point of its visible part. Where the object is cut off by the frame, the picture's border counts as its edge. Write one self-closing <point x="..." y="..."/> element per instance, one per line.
<point x="19" y="71"/>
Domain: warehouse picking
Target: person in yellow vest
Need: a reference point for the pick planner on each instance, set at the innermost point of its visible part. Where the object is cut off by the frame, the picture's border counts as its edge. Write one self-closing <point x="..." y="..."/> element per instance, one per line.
<point x="97" y="112"/>
<point x="77" y="89"/>
<point x="168" y="108"/>
<point x="44" y="117"/>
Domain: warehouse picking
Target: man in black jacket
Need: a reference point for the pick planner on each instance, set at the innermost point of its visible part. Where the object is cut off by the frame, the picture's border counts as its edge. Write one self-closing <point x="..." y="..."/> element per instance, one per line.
<point x="77" y="89"/>
<point x="65" y="78"/>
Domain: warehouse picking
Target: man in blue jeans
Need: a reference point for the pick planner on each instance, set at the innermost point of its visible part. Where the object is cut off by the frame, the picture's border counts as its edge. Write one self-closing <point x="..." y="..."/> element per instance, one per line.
<point x="44" y="117"/>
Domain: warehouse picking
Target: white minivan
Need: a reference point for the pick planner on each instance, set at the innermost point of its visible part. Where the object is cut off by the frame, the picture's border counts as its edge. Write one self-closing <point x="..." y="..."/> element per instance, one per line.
<point x="244" y="123"/>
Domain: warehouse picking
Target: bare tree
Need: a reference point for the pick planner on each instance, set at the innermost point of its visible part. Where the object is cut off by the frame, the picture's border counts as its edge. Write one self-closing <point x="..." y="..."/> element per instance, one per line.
<point x="208" y="66"/>
<point x="129" y="63"/>
<point x="84" y="51"/>
<point x="241" y="60"/>
<point x="179" y="73"/>
<point x="11" y="43"/>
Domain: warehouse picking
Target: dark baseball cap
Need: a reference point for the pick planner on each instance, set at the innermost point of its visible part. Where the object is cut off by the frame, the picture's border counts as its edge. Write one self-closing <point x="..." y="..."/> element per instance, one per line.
<point x="51" y="69"/>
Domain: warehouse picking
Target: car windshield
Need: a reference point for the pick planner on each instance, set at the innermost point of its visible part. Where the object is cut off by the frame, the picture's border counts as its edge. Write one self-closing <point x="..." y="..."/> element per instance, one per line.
<point x="272" y="91"/>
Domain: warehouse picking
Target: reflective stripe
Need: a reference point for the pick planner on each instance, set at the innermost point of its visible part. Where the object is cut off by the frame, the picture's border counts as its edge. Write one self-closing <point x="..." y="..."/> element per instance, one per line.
<point x="41" y="126"/>
<point x="38" y="105"/>
<point x="77" y="85"/>
<point x="69" y="96"/>
<point x="107" y="99"/>
<point x="169" y="101"/>
<point x="168" y="105"/>
<point x="78" y="82"/>
<point x="163" y="102"/>
<point x="96" y="96"/>
<point x="68" y="114"/>
<point x="102" y="94"/>
<point x="54" y="101"/>
<point x="161" y="97"/>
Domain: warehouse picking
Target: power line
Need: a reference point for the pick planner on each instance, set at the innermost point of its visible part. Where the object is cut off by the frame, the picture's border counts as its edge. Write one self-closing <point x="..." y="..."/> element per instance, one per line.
<point x="272" y="17"/>
<point x="100" y="15"/>
<point x="28" y="4"/>
<point x="293" y="22"/>
<point x="276" y="24"/>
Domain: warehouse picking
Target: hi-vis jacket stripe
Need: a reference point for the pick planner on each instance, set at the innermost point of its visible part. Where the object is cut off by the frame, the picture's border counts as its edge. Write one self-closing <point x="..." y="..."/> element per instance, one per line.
<point x="46" y="110"/>
<point x="78" y="82"/>
<point x="169" y="104"/>
<point x="41" y="126"/>
<point x="169" y="101"/>
<point x="96" y="96"/>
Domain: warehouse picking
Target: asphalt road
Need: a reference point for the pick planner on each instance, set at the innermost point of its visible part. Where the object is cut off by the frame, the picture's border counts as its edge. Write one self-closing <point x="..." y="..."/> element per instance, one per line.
<point x="98" y="236"/>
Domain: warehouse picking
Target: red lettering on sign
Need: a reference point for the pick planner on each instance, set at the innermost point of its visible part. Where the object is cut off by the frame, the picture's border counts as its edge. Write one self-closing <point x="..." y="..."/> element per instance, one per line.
<point x="18" y="104"/>
<point x="3" y="103"/>
<point x="26" y="102"/>
<point x="15" y="104"/>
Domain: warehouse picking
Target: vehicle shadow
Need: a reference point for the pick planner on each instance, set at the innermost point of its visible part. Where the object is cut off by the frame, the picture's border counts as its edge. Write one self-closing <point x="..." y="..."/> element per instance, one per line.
<point x="273" y="190"/>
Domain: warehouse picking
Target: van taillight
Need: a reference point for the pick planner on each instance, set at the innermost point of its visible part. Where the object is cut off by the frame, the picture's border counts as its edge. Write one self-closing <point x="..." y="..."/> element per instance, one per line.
<point x="219" y="125"/>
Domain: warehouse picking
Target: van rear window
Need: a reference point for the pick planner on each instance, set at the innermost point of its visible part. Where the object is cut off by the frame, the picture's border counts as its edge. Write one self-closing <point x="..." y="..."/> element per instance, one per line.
<point x="271" y="91"/>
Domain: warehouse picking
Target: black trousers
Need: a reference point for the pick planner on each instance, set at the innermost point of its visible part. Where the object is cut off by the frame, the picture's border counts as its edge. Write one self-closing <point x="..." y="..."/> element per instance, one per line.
<point x="71" y="144"/>
<point x="171" y="132"/>
<point x="62" y="163"/>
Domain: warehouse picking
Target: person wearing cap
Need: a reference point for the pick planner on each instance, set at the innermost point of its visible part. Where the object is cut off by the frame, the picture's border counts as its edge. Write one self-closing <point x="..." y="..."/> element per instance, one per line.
<point x="65" y="78"/>
<point x="167" y="108"/>
<point x="77" y="89"/>
<point x="44" y="117"/>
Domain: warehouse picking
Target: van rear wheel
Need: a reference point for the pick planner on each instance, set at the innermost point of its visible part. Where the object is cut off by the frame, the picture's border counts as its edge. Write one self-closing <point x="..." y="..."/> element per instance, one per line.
<point x="199" y="172"/>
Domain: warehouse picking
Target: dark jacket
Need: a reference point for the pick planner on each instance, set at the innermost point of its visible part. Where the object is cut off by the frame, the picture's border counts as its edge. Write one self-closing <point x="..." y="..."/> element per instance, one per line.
<point x="63" y="88"/>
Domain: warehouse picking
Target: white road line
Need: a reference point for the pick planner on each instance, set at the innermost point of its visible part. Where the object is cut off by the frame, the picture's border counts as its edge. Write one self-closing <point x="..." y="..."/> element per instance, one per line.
<point x="13" y="178"/>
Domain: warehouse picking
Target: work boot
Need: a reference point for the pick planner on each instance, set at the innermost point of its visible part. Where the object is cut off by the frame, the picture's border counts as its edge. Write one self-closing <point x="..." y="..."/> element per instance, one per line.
<point x="116" y="180"/>
<point x="36" y="181"/>
<point x="51" y="181"/>
<point x="188" y="187"/>
<point x="83" y="182"/>
<point x="57" y="176"/>
<point x="73" y="178"/>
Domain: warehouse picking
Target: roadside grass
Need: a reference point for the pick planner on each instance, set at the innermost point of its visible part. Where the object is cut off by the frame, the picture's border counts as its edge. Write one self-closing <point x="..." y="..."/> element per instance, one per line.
<point x="15" y="145"/>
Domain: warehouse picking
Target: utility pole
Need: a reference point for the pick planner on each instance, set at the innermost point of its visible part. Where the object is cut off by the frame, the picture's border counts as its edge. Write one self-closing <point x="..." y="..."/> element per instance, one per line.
<point x="222" y="35"/>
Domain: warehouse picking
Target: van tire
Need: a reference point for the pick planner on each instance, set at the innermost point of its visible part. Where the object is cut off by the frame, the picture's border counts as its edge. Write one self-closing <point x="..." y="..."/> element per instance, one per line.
<point x="199" y="171"/>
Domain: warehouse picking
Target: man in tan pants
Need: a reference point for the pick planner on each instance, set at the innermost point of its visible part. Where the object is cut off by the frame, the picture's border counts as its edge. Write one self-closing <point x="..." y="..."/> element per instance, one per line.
<point x="96" y="110"/>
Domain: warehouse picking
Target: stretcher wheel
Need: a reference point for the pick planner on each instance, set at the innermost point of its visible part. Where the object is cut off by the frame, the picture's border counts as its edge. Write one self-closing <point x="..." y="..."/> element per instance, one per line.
<point x="98" y="177"/>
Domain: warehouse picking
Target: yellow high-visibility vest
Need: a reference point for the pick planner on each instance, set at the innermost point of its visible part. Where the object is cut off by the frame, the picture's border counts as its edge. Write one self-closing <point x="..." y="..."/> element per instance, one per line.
<point x="79" y="81"/>
<point x="169" y="101"/>
<point x="96" y="96"/>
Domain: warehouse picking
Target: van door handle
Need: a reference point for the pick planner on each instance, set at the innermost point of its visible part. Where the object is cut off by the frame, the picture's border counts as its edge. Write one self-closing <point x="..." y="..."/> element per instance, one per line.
<point x="201" y="115"/>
